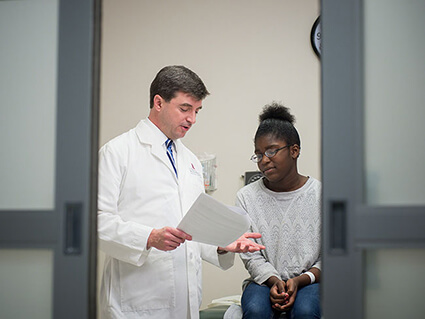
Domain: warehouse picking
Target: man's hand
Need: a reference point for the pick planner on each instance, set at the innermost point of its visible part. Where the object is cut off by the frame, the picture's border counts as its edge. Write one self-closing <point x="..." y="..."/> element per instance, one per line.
<point x="167" y="238"/>
<point x="243" y="244"/>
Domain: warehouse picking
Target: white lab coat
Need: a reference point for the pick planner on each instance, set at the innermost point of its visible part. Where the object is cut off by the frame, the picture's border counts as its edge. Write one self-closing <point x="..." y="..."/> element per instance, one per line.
<point x="138" y="191"/>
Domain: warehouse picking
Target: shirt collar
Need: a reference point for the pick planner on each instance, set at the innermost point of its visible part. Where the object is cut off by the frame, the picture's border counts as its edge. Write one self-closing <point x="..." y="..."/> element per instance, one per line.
<point x="159" y="136"/>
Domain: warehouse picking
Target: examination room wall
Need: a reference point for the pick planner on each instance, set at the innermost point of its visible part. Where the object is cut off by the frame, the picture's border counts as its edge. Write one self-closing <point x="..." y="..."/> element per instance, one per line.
<point x="247" y="52"/>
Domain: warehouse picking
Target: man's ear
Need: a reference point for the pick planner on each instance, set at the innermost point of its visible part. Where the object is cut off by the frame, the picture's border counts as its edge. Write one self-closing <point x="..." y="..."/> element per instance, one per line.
<point x="157" y="102"/>
<point x="295" y="151"/>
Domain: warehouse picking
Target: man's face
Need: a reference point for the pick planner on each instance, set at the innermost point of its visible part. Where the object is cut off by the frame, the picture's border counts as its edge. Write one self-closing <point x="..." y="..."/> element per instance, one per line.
<point x="178" y="115"/>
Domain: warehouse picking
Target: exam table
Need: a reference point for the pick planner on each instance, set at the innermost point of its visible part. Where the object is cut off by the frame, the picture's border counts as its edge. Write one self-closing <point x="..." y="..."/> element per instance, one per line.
<point x="216" y="312"/>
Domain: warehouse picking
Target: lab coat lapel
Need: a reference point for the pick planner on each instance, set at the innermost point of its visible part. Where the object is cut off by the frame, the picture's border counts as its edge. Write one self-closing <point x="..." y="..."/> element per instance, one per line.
<point x="147" y="136"/>
<point x="186" y="167"/>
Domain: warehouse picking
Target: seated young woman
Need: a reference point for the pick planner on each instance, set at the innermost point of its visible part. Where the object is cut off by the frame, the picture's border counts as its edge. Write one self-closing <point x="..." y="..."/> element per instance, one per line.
<point x="284" y="207"/>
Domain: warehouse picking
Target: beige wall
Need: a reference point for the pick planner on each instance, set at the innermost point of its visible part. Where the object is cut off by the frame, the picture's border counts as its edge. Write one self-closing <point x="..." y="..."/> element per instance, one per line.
<point x="248" y="53"/>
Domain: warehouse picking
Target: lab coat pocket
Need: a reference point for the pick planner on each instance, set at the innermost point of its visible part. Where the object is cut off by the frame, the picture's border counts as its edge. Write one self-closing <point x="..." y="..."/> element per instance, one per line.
<point x="150" y="286"/>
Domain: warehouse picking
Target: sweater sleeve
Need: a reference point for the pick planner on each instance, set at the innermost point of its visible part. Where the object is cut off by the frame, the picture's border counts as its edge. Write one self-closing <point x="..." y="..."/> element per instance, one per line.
<point x="256" y="263"/>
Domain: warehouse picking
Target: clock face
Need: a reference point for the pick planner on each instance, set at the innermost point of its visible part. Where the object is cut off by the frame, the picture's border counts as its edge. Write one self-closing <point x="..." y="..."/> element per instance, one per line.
<point x="316" y="37"/>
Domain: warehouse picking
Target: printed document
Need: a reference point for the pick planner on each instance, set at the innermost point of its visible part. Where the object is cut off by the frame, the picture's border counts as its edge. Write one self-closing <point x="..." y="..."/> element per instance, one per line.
<point x="211" y="222"/>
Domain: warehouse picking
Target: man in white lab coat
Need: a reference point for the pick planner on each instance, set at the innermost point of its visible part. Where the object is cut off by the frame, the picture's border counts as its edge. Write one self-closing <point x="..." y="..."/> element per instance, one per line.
<point x="152" y="269"/>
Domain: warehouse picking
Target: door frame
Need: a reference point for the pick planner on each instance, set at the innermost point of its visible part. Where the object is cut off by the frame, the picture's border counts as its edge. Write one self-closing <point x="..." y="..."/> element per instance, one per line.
<point x="74" y="270"/>
<point x="350" y="226"/>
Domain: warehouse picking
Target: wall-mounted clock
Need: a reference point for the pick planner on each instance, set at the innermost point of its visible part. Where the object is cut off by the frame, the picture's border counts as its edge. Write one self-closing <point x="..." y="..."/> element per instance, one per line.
<point x="316" y="37"/>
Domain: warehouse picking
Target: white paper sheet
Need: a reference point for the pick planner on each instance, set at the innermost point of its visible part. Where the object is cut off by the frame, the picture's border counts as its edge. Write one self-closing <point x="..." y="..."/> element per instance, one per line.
<point x="211" y="222"/>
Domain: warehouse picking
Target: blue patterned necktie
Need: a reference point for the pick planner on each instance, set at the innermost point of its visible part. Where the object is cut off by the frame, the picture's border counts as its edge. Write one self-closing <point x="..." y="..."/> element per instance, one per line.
<point x="169" y="144"/>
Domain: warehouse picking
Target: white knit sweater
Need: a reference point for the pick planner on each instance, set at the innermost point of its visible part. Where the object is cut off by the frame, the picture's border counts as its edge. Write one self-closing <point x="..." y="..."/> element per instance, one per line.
<point x="289" y="223"/>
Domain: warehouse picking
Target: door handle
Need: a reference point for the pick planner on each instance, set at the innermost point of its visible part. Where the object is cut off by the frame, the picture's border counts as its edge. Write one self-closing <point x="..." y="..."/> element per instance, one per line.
<point x="73" y="220"/>
<point x="338" y="228"/>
